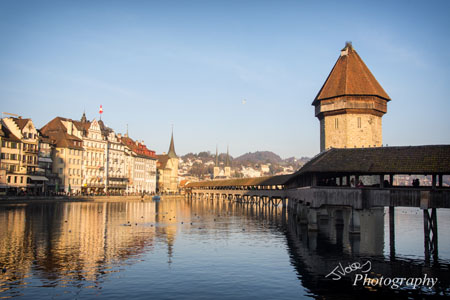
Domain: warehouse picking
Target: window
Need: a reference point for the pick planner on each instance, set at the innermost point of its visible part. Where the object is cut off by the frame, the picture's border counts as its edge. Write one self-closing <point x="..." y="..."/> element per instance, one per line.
<point x="60" y="170"/>
<point x="15" y="179"/>
<point x="13" y="145"/>
<point x="359" y="122"/>
<point x="21" y="179"/>
<point x="61" y="160"/>
<point x="9" y="179"/>
<point x="336" y="123"/>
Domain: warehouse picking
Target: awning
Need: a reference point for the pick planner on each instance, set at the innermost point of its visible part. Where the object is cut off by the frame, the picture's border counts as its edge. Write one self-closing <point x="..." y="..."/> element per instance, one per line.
<point x="45" y="159"/>
<point x="38" y="178"/>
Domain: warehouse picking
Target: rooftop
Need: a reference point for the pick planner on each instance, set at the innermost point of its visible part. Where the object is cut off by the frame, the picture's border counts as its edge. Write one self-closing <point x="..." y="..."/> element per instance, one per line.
<point x="382" y="160"/>
<point x="350" y="77"/>
<point x="256" y="181"/>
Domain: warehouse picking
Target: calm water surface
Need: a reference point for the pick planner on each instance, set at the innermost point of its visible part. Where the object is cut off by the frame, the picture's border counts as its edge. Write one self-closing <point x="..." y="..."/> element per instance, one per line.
<point x="175" y="249"/>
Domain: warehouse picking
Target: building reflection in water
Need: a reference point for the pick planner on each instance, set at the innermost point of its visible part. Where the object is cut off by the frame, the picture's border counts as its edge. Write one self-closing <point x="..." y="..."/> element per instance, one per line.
<point x="80" y="244"/>
<point x="69" y="243"/>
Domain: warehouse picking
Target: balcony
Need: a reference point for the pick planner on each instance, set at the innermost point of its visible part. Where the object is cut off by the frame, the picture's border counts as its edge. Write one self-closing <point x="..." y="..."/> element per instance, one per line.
<point x="29" y="163"/>
<point x="30" y="150"/>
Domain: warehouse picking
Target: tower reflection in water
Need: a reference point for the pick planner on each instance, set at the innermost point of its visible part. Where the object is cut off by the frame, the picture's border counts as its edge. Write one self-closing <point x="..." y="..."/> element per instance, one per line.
<point x="84" y="244"/>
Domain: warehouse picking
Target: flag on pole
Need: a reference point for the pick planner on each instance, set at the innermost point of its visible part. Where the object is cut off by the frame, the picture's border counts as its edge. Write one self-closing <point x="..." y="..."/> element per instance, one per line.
<point x="100" y="111"/>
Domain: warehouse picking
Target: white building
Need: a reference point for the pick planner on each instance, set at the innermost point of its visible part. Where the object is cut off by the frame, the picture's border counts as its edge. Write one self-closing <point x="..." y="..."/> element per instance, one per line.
<point x="140" y="165"/>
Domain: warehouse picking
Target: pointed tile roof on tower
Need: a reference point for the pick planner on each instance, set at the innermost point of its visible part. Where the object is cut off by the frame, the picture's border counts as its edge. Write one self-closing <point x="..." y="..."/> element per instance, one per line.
<point x="350" y="76"/>
<point x="171" y="153"/>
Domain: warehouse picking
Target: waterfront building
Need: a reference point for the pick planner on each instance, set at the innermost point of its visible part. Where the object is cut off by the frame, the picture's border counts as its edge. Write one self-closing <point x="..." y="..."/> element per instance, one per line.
<point x="20" y="147"/>
<point x="350" y="105"/>
<point x="91" y="158"/>
<point x="10" y="159"/>
<point x="67" y="153"/>
<point x="116" y="173"/>
<point x="94" y="156"/>
<point x="140" y="165"/>
<point x="167" y="165"/>
<point x="3" y="186"/>
<point x="45" y="164"/>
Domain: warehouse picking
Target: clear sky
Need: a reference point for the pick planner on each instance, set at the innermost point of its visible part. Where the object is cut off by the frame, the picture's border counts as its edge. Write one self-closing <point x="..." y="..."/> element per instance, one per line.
<point x="193" y="63"/>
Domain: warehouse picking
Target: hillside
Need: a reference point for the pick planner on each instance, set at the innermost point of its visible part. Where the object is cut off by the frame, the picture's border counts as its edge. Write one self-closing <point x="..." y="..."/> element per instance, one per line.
<point x="260" y="157"/>
<point x="252" y="164"/>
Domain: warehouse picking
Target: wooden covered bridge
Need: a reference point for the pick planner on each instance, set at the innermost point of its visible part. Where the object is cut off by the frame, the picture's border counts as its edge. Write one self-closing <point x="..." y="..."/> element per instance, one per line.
<point x="266" y="190"/>
<point x="359" y="177"/>
<point x="344" y="183"/>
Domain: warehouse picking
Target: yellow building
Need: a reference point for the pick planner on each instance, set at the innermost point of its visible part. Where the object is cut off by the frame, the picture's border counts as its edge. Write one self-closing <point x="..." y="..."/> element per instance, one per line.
<point x="19" y="155"/>
<point x="167" y="165"/>
<point x="67" y="155"/>
<point x="350" y="105"/>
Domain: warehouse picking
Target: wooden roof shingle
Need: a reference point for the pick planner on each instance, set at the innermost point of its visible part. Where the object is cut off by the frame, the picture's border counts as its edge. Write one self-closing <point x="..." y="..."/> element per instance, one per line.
<point x="350" y="76"/>
<point x="427" y="159"/>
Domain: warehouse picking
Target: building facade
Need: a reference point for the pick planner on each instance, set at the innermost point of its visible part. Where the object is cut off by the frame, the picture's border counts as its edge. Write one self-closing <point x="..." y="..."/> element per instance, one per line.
<point x="45" y="164"/>
<point x="116" y="173"/>
<point x="140" y="165"/>
<point x="19" y="156"/>
<point x="67" y="153"/>
<point x="350" y="105"/>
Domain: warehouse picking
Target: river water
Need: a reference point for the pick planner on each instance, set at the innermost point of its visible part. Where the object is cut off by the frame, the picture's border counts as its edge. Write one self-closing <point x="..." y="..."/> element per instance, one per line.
<point x="176" y="249"/>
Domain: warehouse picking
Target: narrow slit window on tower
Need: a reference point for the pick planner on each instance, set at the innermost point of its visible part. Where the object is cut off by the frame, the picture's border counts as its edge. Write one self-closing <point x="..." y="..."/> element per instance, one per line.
<point x="359" y="122"/>
<point x="336" y="123"/>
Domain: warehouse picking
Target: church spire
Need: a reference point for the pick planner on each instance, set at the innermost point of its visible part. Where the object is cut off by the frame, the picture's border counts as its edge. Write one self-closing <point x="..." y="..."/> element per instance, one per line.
<point x="171" y="152"/>
<point x="83" y="117"/>
<point x="217" y="157"/>
<point x="227" y="164"/>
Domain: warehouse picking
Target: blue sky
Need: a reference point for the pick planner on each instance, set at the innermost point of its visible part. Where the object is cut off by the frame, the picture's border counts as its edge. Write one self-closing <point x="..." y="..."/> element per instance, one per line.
<point x="192" y="63"/>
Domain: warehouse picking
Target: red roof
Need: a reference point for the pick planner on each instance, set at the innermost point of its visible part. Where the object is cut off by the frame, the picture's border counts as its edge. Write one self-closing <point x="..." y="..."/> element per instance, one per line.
<point x="350" y="76"/>
<point x="138" y="148"/>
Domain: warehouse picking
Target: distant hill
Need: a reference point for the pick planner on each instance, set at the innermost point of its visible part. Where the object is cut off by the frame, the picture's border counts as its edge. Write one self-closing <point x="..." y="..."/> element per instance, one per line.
<point x="260" y="157"/>
<point x="201" y="165"/>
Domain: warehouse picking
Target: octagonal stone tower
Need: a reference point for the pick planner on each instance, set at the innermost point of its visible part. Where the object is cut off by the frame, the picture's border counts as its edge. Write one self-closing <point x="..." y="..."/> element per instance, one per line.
<point x="350" y="105"/>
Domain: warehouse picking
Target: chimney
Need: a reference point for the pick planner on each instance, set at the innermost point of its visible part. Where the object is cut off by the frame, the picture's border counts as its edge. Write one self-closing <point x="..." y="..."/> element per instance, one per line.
<point x="70" y="128"/>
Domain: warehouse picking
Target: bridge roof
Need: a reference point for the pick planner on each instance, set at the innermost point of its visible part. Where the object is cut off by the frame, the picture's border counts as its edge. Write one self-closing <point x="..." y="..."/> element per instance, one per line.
<point x="255" y="181"/>
<point x="430" y="159"/>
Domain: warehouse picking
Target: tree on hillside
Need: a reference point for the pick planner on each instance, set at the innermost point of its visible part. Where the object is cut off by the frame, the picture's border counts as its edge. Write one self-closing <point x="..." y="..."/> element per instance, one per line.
<point x="198" y="170"/>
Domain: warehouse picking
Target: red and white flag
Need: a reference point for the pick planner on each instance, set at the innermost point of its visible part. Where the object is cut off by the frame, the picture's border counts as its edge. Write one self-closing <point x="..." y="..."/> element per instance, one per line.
<point x="101" y="109"/>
